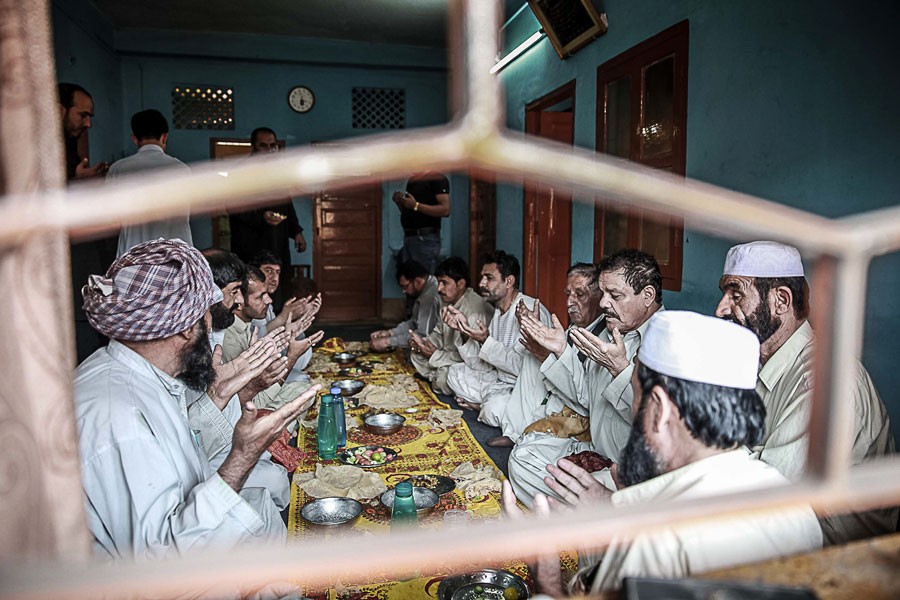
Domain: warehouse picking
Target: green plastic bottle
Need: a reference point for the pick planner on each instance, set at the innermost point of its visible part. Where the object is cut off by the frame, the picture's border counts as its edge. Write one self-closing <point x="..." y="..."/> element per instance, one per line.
<point x="326" y="434"/>
<point x="403" y="514"/>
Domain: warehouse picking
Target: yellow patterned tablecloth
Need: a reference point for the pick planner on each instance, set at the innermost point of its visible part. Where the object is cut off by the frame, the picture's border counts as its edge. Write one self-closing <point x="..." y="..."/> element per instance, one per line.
<point x="422" y="449"/>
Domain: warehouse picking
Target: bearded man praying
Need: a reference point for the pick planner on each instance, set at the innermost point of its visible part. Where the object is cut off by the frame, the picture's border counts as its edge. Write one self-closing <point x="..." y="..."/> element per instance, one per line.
<point x="149" y="489"/>
<point x="764" y="289"/>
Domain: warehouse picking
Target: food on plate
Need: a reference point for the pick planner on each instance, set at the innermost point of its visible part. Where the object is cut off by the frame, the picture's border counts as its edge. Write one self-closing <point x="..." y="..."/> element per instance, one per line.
<point x="590" y="461"/>
<point x="367" y="456"/>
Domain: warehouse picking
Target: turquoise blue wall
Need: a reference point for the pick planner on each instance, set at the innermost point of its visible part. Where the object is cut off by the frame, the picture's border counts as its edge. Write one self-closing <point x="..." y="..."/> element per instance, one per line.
<point x="135" y="70"/>
<point x="85" y="55"/>
<point x="786" y="101"/>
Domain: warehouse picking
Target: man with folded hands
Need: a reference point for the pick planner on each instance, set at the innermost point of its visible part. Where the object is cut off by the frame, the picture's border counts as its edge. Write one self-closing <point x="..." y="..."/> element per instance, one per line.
<point x="696" y="411"/>
<point x="492" y="355"/>
<point x="434" y="354"/>
<point x="149" y="490"/>
<point x="596" y="367"/>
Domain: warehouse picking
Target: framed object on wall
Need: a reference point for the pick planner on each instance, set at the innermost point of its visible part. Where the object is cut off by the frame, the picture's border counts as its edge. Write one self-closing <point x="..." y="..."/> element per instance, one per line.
<point x="570" y="24"/>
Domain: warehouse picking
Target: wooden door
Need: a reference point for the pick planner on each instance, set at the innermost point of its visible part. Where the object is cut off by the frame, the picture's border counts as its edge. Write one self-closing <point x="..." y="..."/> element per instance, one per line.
<point x="482" y="220"/>
<point x="642" y="116"/>
<point x="547" y="214"/>
<point x="347" y="253"/>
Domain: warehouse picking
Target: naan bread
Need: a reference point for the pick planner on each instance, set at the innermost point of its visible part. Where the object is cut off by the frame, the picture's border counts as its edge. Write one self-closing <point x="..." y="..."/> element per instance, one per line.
<point x="342" y="481"/>
<point x="476" y="481"/>
<point x="386" y="396"/>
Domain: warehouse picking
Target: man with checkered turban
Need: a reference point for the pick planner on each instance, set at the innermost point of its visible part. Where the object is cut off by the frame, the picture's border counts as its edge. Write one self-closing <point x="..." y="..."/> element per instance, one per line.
<point x="149" y="488"/>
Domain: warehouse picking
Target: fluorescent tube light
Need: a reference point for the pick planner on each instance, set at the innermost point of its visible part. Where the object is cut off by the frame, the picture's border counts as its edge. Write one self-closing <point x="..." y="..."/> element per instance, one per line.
<point x="533" y="39"/>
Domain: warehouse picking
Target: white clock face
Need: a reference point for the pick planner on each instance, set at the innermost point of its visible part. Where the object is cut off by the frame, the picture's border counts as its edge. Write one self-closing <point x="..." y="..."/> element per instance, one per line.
<point x="301" y="99"/>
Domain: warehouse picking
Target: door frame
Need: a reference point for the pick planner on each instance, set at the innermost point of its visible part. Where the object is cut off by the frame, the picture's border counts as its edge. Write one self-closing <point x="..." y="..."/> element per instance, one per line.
<point x="530" y="192"/>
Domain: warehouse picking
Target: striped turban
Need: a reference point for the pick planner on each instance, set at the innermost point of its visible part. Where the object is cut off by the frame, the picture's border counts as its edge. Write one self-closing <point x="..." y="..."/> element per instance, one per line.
<point x="159" y="288"/>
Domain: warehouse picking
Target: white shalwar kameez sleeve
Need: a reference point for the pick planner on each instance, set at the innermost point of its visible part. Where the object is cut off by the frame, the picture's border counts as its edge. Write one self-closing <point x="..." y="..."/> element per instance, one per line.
<point x="607" y="400"/>
<point x="149" y="490"/>
<point x="785" y="386"/>
<point x="712" y="543"/>
<point x="488" y="372"/>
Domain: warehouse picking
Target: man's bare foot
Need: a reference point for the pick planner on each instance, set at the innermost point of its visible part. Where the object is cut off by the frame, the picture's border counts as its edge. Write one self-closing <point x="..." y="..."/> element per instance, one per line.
<point x="501" y="441"/>
<point x="467" y="405"/>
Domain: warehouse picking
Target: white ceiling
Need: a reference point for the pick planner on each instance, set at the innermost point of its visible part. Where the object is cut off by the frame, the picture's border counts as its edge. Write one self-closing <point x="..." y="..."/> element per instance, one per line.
<point x="414" y="22"/>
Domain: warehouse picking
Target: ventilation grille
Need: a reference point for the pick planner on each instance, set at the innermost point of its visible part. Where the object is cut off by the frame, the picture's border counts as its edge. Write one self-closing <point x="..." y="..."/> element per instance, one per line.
<point x="379" y="108"/>
<point x="202" y="107"/>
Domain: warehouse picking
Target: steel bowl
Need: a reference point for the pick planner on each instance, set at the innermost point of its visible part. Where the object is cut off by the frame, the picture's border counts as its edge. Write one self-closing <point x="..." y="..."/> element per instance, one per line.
<point x="384" y="423"/>
<point x="486" y="583"/>
<point x="344" y="358"/>
<point x="331" y="512"/>
<point x="349" y="387"/>
<point x="424" y="498"/>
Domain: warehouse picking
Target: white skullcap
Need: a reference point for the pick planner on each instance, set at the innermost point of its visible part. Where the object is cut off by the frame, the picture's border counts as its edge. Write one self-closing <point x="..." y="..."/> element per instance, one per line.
<point x="698" y="348"/>
<point x="763" y="259"/>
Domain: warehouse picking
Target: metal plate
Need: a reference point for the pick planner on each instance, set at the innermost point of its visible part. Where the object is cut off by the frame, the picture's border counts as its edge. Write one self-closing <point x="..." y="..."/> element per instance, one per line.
<point x="352" y="453"/>
<point x="439" y="484"/>
<point x="486" y="584"/>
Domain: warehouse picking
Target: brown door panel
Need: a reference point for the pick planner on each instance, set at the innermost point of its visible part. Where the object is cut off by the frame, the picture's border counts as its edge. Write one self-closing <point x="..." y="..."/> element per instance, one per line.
<point x="348" y="253"/>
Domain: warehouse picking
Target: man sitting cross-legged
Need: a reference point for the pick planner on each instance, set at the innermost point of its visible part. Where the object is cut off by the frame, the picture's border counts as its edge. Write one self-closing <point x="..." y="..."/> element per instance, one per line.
<point x="240" y="336"/>
<point x="432" y="356"/>
<point x="695" y="413"/>
<point x="422" y="287"/>
<point x="491" y="353"/>
<point x="548" y="396"/>
<point x="598" y="369"/>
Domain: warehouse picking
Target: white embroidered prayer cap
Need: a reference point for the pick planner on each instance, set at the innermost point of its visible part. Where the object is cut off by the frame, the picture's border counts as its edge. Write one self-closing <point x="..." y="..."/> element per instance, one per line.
<point x="763" y="259"/>
<point x="695" y="347"/>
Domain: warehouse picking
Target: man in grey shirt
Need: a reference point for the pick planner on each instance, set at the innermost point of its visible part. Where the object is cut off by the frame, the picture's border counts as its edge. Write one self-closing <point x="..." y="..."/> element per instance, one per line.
<point x="416" y="283"/>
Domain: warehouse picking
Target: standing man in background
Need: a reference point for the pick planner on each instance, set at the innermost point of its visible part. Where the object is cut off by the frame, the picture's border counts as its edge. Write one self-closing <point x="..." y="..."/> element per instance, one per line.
<point x="269" y="228"/>
<point x="76" y="108"/>
<point x="422" y="206"/>
<point x="76" y="111"/>
<point x="150" y="133"/>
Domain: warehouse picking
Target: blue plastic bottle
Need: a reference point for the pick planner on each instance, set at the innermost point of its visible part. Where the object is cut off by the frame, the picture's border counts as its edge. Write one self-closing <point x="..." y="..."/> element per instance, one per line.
<point x="326" y="434"/>
<point x="339" y="420"/>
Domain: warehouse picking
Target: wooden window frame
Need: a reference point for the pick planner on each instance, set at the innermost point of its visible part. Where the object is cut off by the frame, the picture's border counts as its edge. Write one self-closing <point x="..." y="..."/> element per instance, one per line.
<point x="671" y="42"/>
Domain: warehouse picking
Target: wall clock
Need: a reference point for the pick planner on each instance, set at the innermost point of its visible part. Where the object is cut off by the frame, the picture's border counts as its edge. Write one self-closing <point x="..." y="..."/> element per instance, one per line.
<point x="301" y="99"/>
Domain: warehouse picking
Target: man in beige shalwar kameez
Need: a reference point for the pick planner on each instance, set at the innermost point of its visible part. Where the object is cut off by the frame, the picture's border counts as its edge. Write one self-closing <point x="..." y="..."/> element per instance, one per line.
<point x="433" y="356"/>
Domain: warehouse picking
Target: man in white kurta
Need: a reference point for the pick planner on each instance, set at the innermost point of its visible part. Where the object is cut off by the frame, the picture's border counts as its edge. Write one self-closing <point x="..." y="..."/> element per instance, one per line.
<point x="149" y="490"/>
<point x="492" y="356"/>
<point x="432" y="356"/>
<point x="631" y="287"/>
<point x="150" y="133"/>
<point x="764" y="289"/>
<point x="689" y="366"/>
<point x="537" y="396"/>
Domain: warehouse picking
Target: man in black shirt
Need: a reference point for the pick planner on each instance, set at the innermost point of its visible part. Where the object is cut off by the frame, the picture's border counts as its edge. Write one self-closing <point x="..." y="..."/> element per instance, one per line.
<point x="422" y="206"/>
<point x="269" y="228"/>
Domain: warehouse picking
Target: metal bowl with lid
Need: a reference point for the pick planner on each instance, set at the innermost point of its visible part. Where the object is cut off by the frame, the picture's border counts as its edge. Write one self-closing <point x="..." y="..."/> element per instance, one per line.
<point x="384" y="423"/>
<point x="488" y="584"/>
<point x="331" y="512"/>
